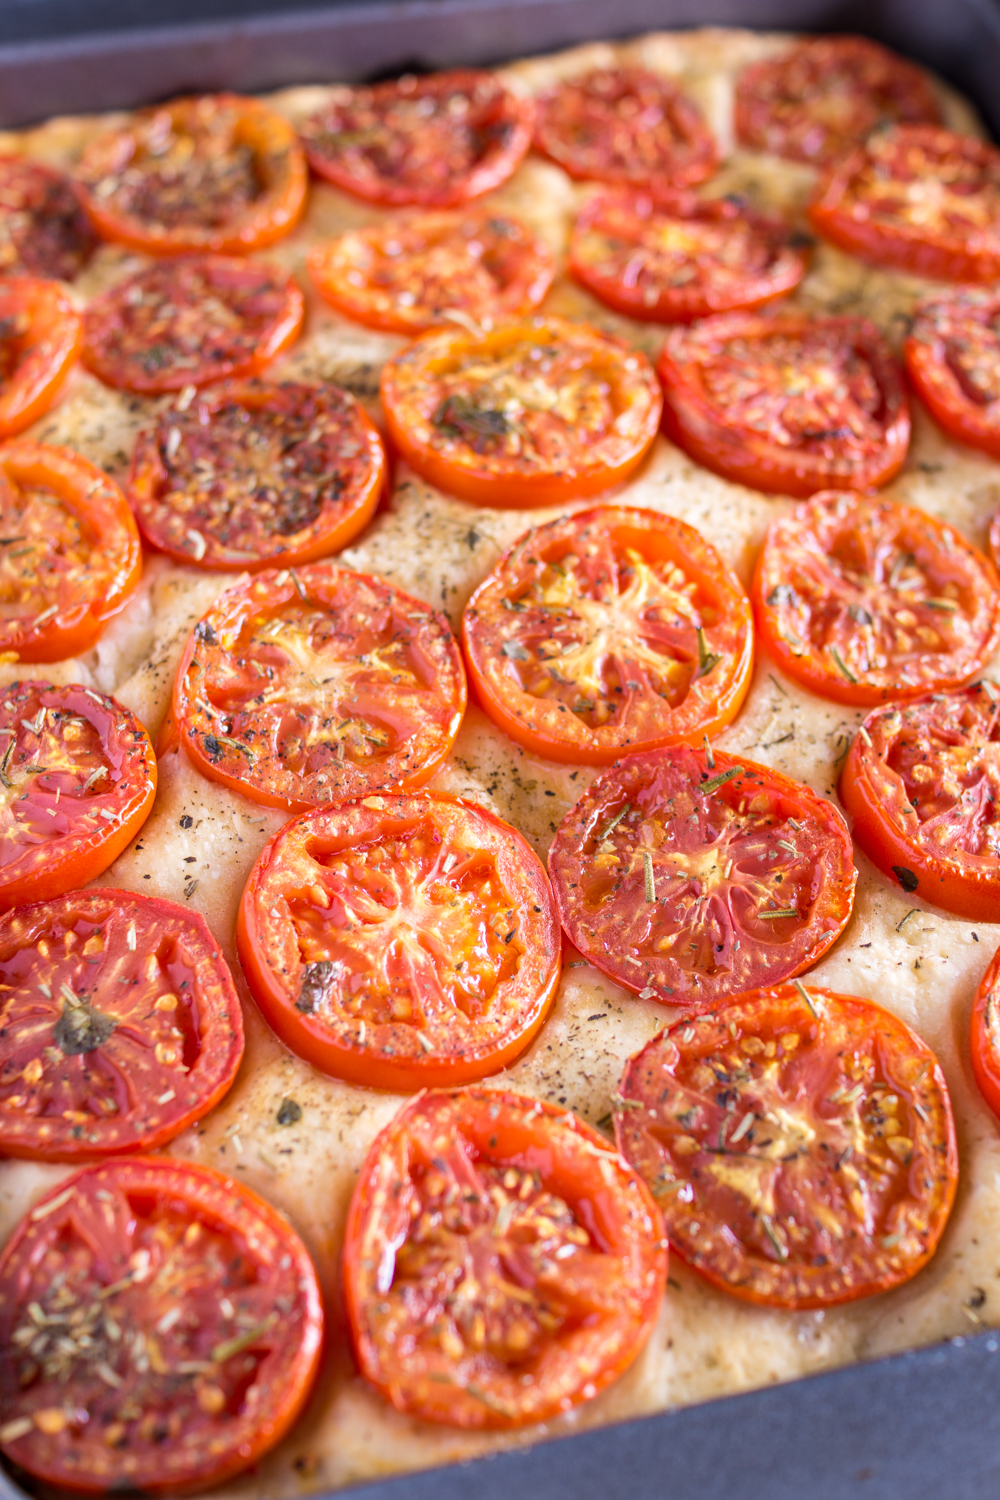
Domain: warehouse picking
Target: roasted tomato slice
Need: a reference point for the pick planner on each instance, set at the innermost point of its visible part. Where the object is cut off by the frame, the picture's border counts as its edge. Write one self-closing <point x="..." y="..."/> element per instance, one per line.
<point x="626" y="125"/>
<point x="40" y="337"/>
<point x="501" y="1263"/>
<point x="214" y="172"/>
<point x="433" y="141"/>
<point x="43" y="229"/>
<point x="401" y="941"/>
<point x="918" y="198"/>
<point x="984" y="1038"/>
<point x="246" y="475"/>
<point x="688" y="875"/>
<point x="683" y="258"/>
<point x="69" y="552"/>
<point x="608" y="631"/>
<point x="862" y="599"/>
<point x="921" y="782"/>
<point x="789" y="405"/>
<point x="119" y="1025"/>
<point x="300" y="688"/>
<point x="196" y="1325"/>
<point x="953" y="360"/>
<point x="419" y="271"/>
<point x="826" y="94"/>
<point x="77" y="781"/>
<point x="530" y="413"/>
<point x="191" y="321"/>
<point x="800" y="1143"/>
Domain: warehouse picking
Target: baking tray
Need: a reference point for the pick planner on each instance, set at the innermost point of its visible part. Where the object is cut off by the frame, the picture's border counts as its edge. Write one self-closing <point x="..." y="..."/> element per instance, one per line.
<point x="918" y="1426"/>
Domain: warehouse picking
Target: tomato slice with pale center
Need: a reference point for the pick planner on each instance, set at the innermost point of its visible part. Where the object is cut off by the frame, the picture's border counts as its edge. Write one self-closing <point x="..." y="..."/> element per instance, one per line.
<point x="77" y="782"/>
<point x="69" y="552"/>
<point x="401" y="941"/>
<point x="40" y="337"/>
<point x="862" y="599"/>
<point x="786" y="404"/>
<point x="305" y="687"/>
<point x="608" y="631"/>
<point x="626" y="125"/>
<point x="800" y="1144"/>
<point x="530" y="413"/>
<point x="418" y="271"/>
<point x="501" y="1263"/>
<point x="953" y="360"/>
<point x="688" y="875"/>
<point x="119" y="1025"/>
<point x="826" y="94"/>
<point x="189" y="322"/>
<point x="921" y="783"/>
<point x="984" y="1036"/>
<point x="214" y="172"/>
<point x="433" y="141"/>
<point x="244" y="476"/>
<point x="681" y="258"/>
<point x="43" y="230"/>
<point x="162" y="1326"/>
<point x="917" y="198"/>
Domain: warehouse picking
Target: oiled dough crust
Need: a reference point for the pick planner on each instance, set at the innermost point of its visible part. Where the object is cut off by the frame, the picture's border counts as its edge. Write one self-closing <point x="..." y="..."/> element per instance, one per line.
<point x="706" y="1344"/>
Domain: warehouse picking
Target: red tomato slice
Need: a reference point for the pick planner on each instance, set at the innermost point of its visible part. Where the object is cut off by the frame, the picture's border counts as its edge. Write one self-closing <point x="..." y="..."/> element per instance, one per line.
<point x="800" y="1144"/>
<point x="626" y="125"/>
<point x="246" y="475"/>
<point x="984" y="1037"/>
<point x="192" y="1294"/>
<point x="501" y="1263"/>
<point x="826" y="94"/>
<point x="77" y="782"/>
<point x="214" y="172"/>
<point x="953" y="360"/>
<point x="918" y="198"/>
<point x="188" y="322"/>
<point x="69" y="552"/>
<point x="608" y="631"/>
<point x="401" y="941"/>
<point x="301" y="688"/>
<point x="531" y="413"/>
<point x="43" y="230"/>
<point x="418" y="271"/>
<point x="688" y="876"/>
<point x="862" y="599"/>
<point x="40" y="337"/>
<point x="789" y="405"/>
<point x="434" y="141"/>
<point x="920" y="783"/>
<point x="119" y="1025"/>
<point x="683" y="258"/>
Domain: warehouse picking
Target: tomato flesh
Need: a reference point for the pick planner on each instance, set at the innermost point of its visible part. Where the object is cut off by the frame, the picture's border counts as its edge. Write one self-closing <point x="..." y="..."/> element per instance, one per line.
<point x="529" y="413"/>
<point x="688" y="876"/>
<point x="984" y="1037"/>
<point x="862" y="599"/>
<point x="243" y="476"/>
<point x="800" y="1144"/>
<point x="401" y="941"/>
<point x="433" y="141"/>
<point x="953" y="361"/>
<point x="827" y="94"/>
<point x="917" y="198"/>
<point x="612" y="630"/>
<point x="674" y="260"/>
<point x="305" y="687"/>
<point x="789" y="405"/>
<point x="40" y="337"/>
<point x="501" y="1263"/>
<point x="43" y="230"/>
<point x="626" y="125"/>
<point x="179" y="1331"/>
<point x="414" y="272"/>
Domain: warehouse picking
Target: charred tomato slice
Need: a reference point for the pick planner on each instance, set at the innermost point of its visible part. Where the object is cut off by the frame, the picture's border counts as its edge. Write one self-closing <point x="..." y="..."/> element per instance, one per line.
<point x="608" y="631"/>
<point x="43" y="229"/>
<point x="311" y="686"/>
<point x="689" y="875"/>
<point x="501" y="1262"/>
<point x="800" y="1144"/>
<point x="40" y="337"/>
<point x="953" y="361"/>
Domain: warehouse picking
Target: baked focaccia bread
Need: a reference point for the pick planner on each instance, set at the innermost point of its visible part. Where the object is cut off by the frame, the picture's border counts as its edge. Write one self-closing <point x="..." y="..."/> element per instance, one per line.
<point x="606" y="253"/>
